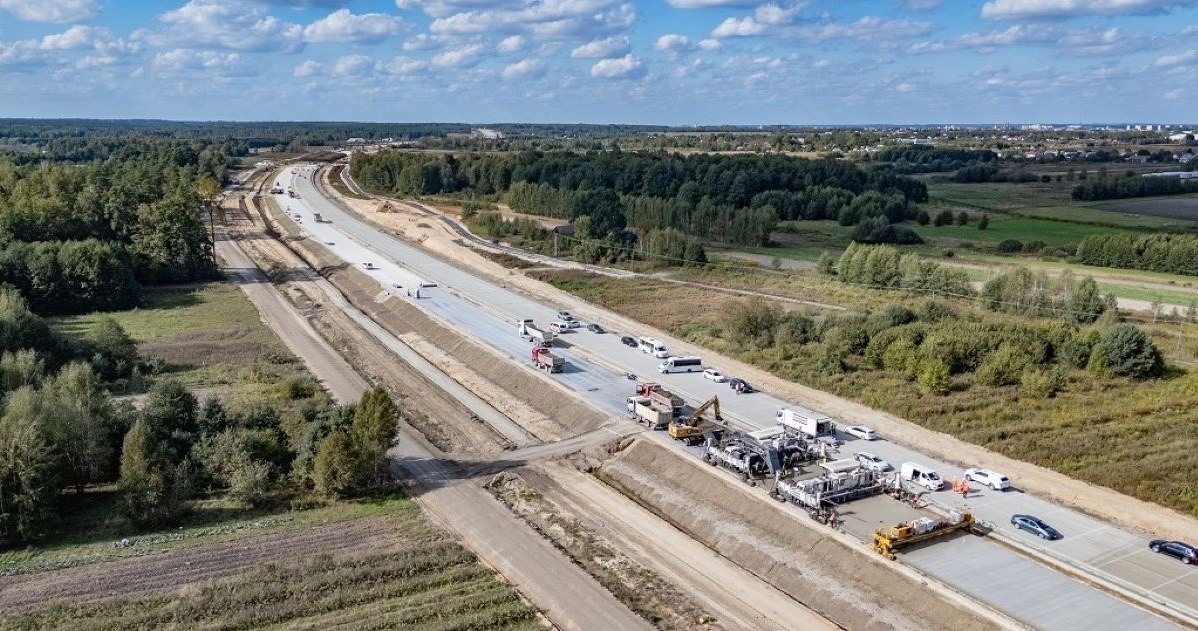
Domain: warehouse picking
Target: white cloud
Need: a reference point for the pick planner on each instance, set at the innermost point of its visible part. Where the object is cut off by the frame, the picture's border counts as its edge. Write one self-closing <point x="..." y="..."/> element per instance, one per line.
<point x="343" y="26"/>
<point x="353" y="66"/>
<point x="920" y="5"/>
<point x="52" y="10"/>
<point x="774" y="14"/>
<point x="184" y="60"/>
<point x="511" y="44"/>
<point x="463" y="57"/>
<point x="228" y="24"/>
<point x="904" y="87"/>
<point x="868" y="29"/>
<point x="522" y="69"/>
<point x="737" y="27"/>
<point x="620" y="68"/>
<point x="1168" y="61"/>
<point x="74" y="38"/>
<point x="423" y="41"/>
<point x="710" y="44"/>
<point x="307" y="69"/>
<point x="545" y="19"/>
<point x="50" y="49"/>
<point x="1173" y="95"/>
<point x="403" y="66"/>
<point x="672" y="42"/>
<point x="707" y="4"/>
<point x="614" y="46"/>
<point x="1018" y="9"/>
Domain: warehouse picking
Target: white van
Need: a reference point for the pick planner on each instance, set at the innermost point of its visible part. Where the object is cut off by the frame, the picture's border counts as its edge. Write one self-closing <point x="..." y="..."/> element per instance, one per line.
<point x="559" y="327"/>
<point x="653" y="346"/>
<point x="922" y="475"/>
<point x="681" y="364"/>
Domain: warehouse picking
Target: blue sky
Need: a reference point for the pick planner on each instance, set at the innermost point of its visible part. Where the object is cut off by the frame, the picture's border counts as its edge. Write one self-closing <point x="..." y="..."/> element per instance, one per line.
<point x="603" y="61"/>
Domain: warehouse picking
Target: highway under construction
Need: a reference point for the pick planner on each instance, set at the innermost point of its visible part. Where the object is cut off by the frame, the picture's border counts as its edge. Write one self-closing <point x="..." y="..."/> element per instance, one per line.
<point x="925" y="531"/>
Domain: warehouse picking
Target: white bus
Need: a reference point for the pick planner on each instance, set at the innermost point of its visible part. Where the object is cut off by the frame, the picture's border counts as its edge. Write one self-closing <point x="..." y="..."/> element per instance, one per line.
<point x="654" y="347"/>
<point x="681" y="364"/>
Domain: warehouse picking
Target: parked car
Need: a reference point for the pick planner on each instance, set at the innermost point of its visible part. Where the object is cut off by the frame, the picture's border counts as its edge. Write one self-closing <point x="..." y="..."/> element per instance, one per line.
<point x="628" y="341"/>
<point x="564" y="316"/>
<point x="922" y="475"/>
<point x="872" y="462"/>
<point x="368" y="266"/>
<point x="329" y="243"/>
<point x="861" y="431"/>
<point x="714" y="375"/>
<point x="595" y="328"/>
<point x="992" y="479"/>
<point x="1036" y="526"/>
<point x="572" y="324"/>
<point x="1184" y="552"/>
<point x="740" y="385"/>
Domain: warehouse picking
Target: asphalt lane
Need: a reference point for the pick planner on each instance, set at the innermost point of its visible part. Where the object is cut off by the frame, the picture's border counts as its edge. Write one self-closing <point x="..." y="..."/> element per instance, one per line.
<point x="596" y="362"/>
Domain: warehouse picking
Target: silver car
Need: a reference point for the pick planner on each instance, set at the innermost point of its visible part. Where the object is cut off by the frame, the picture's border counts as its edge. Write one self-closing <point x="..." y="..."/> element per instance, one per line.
<point x="872" y="462"/>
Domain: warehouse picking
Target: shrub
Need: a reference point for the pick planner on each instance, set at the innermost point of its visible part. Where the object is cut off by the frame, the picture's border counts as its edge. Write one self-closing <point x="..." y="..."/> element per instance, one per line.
<point x="1003" y="367"/>
<point x="923" y="218"/>
<point x="1042" y="383"/>
<point x="826" y="263"/>
<point x="1010" y="246"/>
<point x="962" y="218"/>
<point x="943" y="218"/>
<point x="934" y="377"/>
<point x="1032" y="247"/>
<point x="338" y="471"/>
<point x="984" y="222"/>
<point x="1130" y="353"/>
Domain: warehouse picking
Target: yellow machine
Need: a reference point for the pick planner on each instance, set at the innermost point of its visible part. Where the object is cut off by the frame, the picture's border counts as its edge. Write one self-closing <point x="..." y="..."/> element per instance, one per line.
<point x="887" y="540"/>
<point x="690" y="428"/>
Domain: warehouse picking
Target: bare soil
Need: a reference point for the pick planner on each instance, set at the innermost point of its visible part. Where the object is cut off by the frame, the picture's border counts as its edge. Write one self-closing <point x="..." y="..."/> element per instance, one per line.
<point x="845" y="583"/>
<point x="155" y="574"/>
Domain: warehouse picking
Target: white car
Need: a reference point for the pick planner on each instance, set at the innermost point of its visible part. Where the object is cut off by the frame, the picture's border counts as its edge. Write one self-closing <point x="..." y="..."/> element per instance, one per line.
<point x="572" y="324"/>
<point x="862" y="432"/>
<point x="715" y="375"/>
<point x="872" y="462"/>
<point x="992" y="479"/>
<point x="565" y="316"/>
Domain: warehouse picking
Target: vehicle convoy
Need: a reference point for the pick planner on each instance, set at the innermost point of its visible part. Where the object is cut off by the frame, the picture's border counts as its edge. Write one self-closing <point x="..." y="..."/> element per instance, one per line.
<point x="691" y="427"/>
<point x="807" y="423"/>
<point x="544" y="359"/>
<point x="659" y="395"/>
<point x="888" y="540"/>
<point x="645" y="410"/>
<point x="532" y="333"/>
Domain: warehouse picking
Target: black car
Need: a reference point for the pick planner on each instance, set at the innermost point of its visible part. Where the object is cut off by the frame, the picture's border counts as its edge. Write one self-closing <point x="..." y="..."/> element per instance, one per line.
<point x="1184" y="552"/>
<point x="628" y="341"/>
<point x="740" y="385"/>
<point x="1036" y="526"/>
<point x="595" y="328"/>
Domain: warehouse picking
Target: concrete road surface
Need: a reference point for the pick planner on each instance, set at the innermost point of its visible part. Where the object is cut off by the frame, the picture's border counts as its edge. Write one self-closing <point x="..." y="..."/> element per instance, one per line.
<point x="568" y="596"/>
<point x="596" y="365"/>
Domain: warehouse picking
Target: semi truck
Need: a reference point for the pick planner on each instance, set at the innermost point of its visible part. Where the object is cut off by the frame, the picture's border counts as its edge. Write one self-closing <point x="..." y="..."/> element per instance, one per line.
<point x="534" y="334"/>
<point x="660" y="396"/>
<point x="806" y="422"/>
<point x="545" y="360"/>
<point x="642" y="409"/>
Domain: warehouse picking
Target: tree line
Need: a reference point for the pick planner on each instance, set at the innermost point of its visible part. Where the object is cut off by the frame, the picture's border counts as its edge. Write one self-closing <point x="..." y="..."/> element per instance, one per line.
<point x="1114" y="187"/>
<point x="75" y="238"/>
<point x="1169" y="253"/>
<point x="735" y="199"/>
<point x="930" y="159"/>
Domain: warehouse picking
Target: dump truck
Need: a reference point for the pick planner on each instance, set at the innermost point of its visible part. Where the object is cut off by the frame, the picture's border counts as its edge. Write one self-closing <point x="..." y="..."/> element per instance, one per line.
<point x="319" y="219"/>
<point x="545" y="360"/>
<point x="660" y="396"/>
<point x="690" y="429"/>
<point x="642" y="409"/>
<point x="806" y="422"/>
<point x="533" y="334"/>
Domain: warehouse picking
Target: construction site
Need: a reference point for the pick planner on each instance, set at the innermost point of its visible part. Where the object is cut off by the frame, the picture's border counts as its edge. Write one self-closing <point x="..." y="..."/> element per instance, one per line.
<point x="693" y="511"/>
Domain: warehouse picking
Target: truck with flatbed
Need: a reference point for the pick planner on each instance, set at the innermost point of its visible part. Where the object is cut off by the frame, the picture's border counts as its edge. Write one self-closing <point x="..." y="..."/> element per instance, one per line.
<point x="545" y="360"/>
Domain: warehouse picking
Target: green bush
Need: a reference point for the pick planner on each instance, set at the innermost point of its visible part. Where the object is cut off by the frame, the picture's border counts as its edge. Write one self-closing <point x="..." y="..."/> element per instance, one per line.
<point x="1003" y="367"/>
<point x="1130" y="353"/>
<point x="934" y="377"/>
<point x="1042" y="383"/>
<point x="1010" y="246"/>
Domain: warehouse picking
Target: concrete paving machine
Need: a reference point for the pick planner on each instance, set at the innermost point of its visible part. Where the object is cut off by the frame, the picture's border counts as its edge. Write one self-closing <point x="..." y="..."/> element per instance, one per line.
<point x="888" y="540"/>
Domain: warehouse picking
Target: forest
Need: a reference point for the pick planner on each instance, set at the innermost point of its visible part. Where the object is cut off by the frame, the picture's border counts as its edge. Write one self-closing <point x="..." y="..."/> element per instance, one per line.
<point x="929" y="159"/>
<point x="1113" y="187"/>
<point x="84" y="237"/>
<point x="1169" y="253"/>
<point x="737" y="199"/>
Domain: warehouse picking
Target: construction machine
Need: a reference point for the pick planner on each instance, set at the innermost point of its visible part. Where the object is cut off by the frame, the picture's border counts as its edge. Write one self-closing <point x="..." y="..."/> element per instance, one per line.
<point x="690" y="428"/>
<point x="887" y="540"/>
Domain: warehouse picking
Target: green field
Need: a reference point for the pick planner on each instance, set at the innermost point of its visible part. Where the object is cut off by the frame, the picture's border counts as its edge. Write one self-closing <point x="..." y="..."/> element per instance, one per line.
<point x="1096" y="215"/>
<point x="1022" y="229"/>
<point x="209" y="336"/>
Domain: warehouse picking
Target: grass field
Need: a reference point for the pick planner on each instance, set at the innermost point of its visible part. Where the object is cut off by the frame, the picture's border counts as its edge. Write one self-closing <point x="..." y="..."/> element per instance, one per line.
<point x="1140" y="438"/>
<point x="413" y="577"/>
<point x="1021" y="229"/>
<point x="210" y="337"/>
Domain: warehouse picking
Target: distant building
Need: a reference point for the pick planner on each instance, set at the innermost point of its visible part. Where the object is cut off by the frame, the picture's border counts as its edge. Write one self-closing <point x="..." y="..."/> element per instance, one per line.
<point x="489" y="134"/>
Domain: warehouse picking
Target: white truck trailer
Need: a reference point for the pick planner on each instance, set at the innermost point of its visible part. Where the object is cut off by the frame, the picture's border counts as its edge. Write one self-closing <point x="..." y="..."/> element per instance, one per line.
<point x="642" y="409"/>
<point x="532" y="333"/>
<point x="807" y="423"/>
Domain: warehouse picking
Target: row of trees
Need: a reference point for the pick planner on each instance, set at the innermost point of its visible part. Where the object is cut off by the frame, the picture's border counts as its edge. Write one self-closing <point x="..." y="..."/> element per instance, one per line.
<point x="929" y="159"/>
<point x="735" y="199"/>
<point x="884" y="267"/>
<point x="80" y="237"/>
<point x="1169" y="253"/>
<point x="1023" y="292"/>
<point x="1115" y="187"/>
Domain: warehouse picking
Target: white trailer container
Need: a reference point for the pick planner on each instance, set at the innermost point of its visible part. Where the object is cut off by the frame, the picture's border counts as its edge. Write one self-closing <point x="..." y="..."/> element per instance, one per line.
<point x="534" y="334"/>
<point x="807" y="422"/>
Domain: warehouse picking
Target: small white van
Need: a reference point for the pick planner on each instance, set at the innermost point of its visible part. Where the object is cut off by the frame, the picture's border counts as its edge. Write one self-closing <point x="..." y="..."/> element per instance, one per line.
<point x="922" y="475"/>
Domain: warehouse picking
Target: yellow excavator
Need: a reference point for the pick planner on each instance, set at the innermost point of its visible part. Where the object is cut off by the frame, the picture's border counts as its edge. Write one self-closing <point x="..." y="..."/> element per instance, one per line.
<point x="690" y="428"/>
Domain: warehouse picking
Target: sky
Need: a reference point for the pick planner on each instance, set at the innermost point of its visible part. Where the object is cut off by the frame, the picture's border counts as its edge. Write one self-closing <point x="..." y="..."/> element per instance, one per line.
<point x="676" y="62"/>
